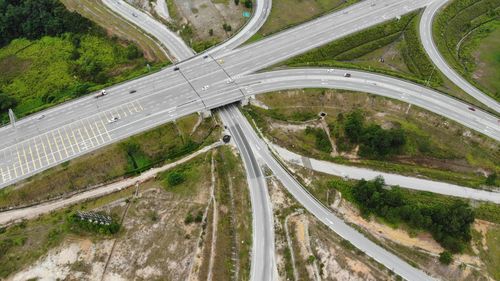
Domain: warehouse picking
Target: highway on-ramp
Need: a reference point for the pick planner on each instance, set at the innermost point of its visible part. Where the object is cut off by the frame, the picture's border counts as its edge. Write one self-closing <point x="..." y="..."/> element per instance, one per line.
<point x="430" y="47"/>
<point x="263" y="266"/>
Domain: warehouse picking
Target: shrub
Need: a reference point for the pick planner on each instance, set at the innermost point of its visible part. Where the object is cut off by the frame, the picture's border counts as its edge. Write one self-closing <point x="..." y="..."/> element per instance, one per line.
<point x="445" y="257"/>
<point x="175" y="178"/>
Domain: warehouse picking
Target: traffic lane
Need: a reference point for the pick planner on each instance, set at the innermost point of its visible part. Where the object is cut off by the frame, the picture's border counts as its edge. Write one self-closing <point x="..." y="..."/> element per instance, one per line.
<point x="378" y="253"/>
<point x="263" y="259"/>
<point x="376" y="84"/>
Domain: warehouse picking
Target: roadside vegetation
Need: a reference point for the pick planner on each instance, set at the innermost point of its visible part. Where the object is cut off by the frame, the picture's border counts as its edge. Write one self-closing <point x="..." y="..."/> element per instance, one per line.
<point x="466" y="33"/>
<point x="428" y="230"/>
<point x="233" y="222"/>
<point x="283" y="16"/>
<point x="126" y="158"/>
<point x="449" y="224"/>
<point x="116" y="26"/>
<point x="50" y="55"/>
<point x="387" y="135"/>
<point x="391" y="48"/>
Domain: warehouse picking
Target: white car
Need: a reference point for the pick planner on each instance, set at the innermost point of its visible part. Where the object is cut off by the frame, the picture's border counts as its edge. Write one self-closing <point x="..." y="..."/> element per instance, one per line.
<point x="229" y="81"/>
<point x="101" y="94"/>
<point x="205" y="87"/>
<point x="113" y="119"/>
<point x="330" y="70"/>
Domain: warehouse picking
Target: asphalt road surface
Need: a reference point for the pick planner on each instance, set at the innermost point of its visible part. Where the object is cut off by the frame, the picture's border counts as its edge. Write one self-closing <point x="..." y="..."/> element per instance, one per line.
<point x="376" y="252"/>
<point x="263" y="266"/>
<point x="430" y="47"/>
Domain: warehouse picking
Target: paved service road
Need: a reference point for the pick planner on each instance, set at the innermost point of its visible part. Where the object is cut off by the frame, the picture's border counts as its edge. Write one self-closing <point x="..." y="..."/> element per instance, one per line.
<point x="263" y="266"/>
<point x="378" y="253"/>
<point x="390" y="179"/>
<point x="430" y="47"/>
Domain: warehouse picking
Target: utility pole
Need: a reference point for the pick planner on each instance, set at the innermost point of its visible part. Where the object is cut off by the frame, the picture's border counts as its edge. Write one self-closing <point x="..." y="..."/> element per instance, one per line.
<point x="12" y="118"/>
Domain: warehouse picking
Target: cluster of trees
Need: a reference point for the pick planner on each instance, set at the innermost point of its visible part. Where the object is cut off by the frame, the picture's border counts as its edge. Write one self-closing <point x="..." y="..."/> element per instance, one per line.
<point x="449" y="224"/>
<point x="322" y="142"/>
<point x="374" y="141"/>
<point x="79" y="225"/>
<point x="33" y="19"/>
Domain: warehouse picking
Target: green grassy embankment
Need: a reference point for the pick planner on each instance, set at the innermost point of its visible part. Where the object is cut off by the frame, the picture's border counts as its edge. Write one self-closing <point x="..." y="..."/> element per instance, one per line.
<point x="466" y="33"/>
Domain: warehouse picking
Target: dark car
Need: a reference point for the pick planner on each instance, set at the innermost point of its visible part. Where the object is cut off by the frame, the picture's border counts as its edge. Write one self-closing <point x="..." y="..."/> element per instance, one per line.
<point x="205" y="56"/>
<point x="472" y="108"/>
<point x="132" y="91"/>
<point x="176" y="68"/>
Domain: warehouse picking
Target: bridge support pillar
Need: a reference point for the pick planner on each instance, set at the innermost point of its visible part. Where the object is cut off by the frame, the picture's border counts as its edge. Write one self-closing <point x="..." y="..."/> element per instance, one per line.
<point x="12" y="118"/>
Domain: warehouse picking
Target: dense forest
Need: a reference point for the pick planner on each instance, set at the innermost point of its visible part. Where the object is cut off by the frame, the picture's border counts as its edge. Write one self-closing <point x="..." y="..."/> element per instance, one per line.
<point x="33" y="19"/>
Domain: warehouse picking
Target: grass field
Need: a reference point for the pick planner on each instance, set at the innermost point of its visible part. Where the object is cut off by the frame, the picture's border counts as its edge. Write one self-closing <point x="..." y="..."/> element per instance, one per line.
<point x="128" y="157"/>
<point x="435" y="147"/>
<point x="487" y="59"/>
<point x="288" y="13"/>
<point x="459" y="31"/>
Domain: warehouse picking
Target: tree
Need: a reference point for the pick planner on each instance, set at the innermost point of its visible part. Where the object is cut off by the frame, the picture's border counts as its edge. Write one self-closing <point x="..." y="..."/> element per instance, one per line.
<point x="491" y="179"/>
<point x="248" y="4"/>
<point x="133" y="52"/>
<point x="353" y="126"/>
<point x="445" y="257"/>
<point x="6" y="102"/>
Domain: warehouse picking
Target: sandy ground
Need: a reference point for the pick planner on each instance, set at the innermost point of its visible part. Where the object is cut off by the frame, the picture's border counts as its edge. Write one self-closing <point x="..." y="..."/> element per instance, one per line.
<point x="205" y="15"/>
<point x="154" y="242"/>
